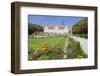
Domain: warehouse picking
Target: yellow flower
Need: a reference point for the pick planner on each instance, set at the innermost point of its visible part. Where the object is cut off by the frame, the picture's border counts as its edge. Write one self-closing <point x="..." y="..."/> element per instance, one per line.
<point x="44" y="48"/>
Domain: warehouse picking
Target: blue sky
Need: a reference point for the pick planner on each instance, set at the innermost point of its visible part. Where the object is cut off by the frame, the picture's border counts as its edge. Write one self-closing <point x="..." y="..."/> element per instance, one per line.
<point x="53" y="20"/>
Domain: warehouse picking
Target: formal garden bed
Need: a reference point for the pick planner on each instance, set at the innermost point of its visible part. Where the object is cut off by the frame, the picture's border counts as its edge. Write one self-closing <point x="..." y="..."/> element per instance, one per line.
<point x="46" y="48"/>
<point x="53" y="47"/>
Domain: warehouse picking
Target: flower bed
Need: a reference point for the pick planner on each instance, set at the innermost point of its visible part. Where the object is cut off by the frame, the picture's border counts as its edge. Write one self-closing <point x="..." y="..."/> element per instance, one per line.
<point x="74" y="49"/>
<point x="46" y="49"/>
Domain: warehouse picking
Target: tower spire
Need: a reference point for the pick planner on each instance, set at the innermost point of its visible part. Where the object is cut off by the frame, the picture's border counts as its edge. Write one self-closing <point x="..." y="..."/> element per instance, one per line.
<point x="62" y="22"/>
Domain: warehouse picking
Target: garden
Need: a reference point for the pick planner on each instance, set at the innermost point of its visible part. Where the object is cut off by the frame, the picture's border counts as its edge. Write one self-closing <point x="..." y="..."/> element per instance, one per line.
<point x="53" y="47"/>
<point x="46" y="48"/>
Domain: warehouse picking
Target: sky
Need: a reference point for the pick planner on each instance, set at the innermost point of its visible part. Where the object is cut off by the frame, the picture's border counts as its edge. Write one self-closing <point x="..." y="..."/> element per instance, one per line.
<point x="43" y="20"/>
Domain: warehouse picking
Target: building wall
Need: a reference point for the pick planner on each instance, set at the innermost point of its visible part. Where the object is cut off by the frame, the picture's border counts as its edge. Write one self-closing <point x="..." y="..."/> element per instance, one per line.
<point x="56" y="30"/>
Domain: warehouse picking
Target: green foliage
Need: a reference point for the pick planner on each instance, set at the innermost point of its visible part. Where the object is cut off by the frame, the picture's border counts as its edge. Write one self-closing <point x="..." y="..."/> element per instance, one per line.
<point x="53" y="48"/>
<point x="57" y="53"/>
<point x="43" y="57"/>
<point x="35" y="43"/>
<point x="74" y="49"/>
<point x="81" y="27"/>
<point x="47" y="48"/>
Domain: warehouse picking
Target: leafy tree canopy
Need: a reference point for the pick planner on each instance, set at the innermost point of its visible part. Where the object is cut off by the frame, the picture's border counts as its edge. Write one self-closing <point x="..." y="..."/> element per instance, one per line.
<point x="81" y="27"/>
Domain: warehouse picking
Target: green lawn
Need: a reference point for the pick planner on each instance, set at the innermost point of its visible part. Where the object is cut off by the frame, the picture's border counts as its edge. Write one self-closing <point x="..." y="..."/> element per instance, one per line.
<point x="34" y="43"/>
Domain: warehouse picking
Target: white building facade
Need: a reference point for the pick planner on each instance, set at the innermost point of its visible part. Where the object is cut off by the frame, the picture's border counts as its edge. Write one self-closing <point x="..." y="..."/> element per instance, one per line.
<point x="56" y="29"/>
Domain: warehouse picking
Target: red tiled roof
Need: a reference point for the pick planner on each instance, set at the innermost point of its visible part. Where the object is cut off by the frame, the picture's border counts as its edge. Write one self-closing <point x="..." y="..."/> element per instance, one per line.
<point x="61" y="27"/>
<point x="51" y="27"/>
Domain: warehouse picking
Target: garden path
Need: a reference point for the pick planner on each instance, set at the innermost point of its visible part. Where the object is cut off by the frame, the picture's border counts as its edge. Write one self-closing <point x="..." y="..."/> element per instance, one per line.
<point x="65" y="49"/>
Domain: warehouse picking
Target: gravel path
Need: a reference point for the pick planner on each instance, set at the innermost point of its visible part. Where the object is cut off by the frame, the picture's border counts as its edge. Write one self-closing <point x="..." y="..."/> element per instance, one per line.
<point x="83" y="43"/>
<point x="65" y="49"/>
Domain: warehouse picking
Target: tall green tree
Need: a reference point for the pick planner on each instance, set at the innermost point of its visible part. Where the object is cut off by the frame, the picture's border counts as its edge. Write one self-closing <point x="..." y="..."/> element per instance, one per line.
<point x="81" y="27"/>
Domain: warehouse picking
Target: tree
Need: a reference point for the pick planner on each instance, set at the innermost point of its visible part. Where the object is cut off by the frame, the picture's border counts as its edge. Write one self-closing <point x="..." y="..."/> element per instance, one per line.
<point x="81" y="27"/>
<point x="34" y="28"/>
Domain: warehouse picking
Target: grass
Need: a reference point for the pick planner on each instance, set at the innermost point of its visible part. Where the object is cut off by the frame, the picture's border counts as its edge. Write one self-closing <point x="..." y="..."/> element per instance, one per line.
<point x="34" y="43"/>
